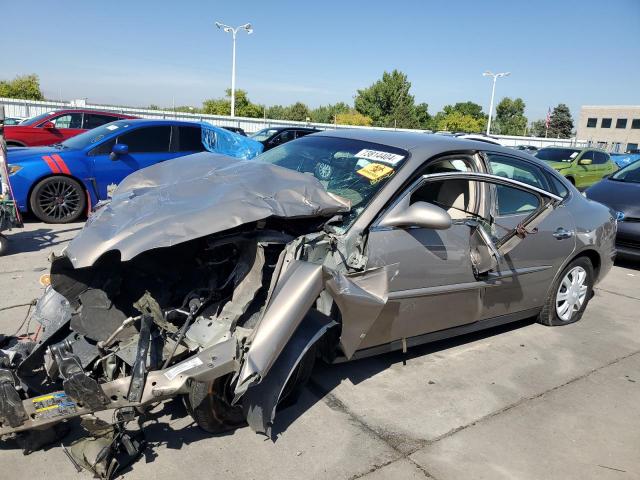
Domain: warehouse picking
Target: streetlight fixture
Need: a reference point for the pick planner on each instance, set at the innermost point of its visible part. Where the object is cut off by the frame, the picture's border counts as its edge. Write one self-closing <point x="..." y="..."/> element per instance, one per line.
<point x="233" y="31"/>
<point x="493" y="92"/>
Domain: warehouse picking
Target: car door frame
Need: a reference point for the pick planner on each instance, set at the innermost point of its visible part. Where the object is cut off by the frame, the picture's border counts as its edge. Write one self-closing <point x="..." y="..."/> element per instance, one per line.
<point x="547" y="202"/>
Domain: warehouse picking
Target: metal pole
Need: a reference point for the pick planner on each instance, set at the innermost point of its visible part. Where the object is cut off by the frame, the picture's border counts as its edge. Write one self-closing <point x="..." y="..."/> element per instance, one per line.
<point x="233" y="75"/>
<point x="493" y="92"/>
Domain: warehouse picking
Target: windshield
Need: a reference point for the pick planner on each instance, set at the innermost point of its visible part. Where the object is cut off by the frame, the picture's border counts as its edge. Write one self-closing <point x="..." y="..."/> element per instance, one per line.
<point x="352" y="169"/>
<point x="36" y="119"/>
<point x="90" y="137"/>
<point x="262" y="135"/>
<point x="630" y="173"/>
<point x="557" y="154"/>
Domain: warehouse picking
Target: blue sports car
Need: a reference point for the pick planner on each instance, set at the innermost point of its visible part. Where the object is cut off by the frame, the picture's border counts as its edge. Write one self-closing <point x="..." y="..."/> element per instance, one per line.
<point x="60" y="183"/>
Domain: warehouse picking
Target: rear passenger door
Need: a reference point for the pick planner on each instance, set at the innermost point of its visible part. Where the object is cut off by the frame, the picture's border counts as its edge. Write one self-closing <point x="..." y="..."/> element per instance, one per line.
<point x="603" y="164"/>
<point x="525" y="272"/>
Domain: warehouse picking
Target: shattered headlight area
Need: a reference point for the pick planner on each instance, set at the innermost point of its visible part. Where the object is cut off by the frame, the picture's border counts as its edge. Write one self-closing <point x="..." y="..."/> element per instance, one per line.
<point x="119" y="335"/>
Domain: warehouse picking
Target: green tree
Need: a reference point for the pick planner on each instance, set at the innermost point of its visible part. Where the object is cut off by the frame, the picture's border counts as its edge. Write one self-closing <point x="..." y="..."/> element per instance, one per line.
<point x="510" y="119"/>
<point x="560" y="122"/>
<point x="298" y="112"/>
<point x="456" y="121"/>
<point x="538" y="128"/>
<point x="327" y="113"/>
<point x="25" y="87"/>
<point x="276" y="112"/>
<point x="388" y="102"/>
<point x="423" y="116"/>
<point x="466" y="108"/>
<point x="353" y="117"/>
<point x="216" y="106"/>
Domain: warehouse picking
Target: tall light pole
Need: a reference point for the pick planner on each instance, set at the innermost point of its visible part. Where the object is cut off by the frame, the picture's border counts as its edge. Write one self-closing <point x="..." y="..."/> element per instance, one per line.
<point x="493" y="93"/>
<point x="234" y="31"/>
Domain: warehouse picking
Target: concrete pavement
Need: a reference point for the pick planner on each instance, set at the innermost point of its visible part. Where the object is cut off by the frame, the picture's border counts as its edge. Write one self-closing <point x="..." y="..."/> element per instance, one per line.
<point x="522" y="401"/>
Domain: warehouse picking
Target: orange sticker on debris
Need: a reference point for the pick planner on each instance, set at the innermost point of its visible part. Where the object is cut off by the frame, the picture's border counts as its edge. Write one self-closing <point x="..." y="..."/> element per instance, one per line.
<point x="375" y="171"/>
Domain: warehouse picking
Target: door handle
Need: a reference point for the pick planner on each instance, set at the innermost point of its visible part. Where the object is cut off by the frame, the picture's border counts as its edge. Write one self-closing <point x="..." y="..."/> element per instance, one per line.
<point x="562" y="233"/>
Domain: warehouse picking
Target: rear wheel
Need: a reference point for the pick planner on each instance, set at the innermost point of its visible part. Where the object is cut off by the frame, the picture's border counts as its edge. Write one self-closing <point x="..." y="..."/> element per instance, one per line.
<point x="58" y="200"/>
<point x="569" y="295"/>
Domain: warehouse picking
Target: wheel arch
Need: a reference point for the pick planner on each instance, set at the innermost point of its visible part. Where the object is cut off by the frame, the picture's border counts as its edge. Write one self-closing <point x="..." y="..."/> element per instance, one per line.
<point x="86" y="190"/>
<point x="591" y="254"/>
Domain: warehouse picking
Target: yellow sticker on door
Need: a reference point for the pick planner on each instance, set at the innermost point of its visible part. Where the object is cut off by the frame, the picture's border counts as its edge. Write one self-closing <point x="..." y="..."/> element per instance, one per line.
<point x="375" y="171"/>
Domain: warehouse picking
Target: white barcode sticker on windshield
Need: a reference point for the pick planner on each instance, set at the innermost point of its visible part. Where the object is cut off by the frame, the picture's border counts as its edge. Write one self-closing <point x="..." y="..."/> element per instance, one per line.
<point x="379" y="156"/>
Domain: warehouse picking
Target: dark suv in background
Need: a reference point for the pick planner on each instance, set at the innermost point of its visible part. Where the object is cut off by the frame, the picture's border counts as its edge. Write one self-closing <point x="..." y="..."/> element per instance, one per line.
<point x="272" y="137"/>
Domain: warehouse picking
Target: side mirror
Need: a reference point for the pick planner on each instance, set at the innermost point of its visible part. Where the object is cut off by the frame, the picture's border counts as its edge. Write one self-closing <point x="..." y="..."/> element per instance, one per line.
<point x="48" y="125"/>
<point x="418" y="214"/>
<point x="585" y="161"/>
<point x="118" y="150"/>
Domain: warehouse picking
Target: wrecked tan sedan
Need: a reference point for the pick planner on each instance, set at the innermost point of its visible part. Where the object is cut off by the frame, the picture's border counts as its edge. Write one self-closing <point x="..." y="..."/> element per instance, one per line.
<point x="223" y="280"/>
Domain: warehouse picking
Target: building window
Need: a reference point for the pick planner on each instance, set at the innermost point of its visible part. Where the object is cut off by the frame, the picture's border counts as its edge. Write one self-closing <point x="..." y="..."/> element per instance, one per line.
<point x="621" y="123"/>
<point x="591" y="122"/>
<point x="606" y="123"/>
<point x="632" y="147"/>
<point x="635" y="123"/>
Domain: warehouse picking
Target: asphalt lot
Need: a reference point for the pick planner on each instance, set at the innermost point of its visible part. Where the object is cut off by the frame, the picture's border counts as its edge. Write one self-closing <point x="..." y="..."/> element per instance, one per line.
<point x="523" y="401"/>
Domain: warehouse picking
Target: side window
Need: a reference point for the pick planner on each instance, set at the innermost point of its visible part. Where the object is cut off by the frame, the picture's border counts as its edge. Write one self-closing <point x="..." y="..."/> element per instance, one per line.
<point x="589" y="155"/>
<point x="93" y="120"/>
<point x="510" y="200"/>
<point x="284" y="137"/>
<point x="558" y="187"/>
<point x="516" y="169"/>
<point x="69" y="120"/>
<point x="457" y="197"/>
<point x="147" y="140"/>
<point x="190" y="139"/>
<point x="103" y="149"/>
<point x="302" y="133"/>
<point x="600" y="158"/>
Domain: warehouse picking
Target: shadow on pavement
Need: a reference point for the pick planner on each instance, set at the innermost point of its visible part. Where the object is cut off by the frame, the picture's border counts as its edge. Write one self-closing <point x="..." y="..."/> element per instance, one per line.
<point x="21" y="241"/>
<point x="327" y="377"/>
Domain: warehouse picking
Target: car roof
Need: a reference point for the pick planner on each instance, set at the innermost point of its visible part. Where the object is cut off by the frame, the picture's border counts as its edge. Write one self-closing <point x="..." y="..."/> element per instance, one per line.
<point x="158" y="121"/>
<point x="422" y="146"/>
<point x="280" y="129"/>
<point x="85" y="110"/>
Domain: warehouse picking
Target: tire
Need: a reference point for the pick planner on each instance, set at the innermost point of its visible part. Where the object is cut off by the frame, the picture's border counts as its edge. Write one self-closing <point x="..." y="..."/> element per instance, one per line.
<point x="568" y="300"/>
<point x="209" y="403"/>
<point x="299" y="378"/>
<point x="58" y="199"/>
<point x="4" y="245"/>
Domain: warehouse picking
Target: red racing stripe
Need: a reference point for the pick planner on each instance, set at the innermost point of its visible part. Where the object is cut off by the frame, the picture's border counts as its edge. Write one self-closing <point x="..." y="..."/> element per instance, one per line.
<point x="61" y="164"/>
<point x="52" y="165"/>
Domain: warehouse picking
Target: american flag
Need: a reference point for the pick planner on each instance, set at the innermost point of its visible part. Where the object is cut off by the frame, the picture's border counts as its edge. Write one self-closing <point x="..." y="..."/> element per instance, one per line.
<point x="548" y="120"/>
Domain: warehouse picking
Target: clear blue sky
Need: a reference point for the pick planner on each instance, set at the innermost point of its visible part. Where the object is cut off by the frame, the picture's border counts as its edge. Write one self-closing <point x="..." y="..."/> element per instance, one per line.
<point x="138" y="52"/>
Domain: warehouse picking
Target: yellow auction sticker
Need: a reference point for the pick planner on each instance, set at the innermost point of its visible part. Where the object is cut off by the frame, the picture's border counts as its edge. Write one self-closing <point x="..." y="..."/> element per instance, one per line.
<point x="375" y="171"/>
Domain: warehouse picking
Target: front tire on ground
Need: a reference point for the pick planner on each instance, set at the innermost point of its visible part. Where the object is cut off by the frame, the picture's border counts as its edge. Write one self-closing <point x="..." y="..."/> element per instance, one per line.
<point x="209" y="403"/>
<point x="569" y="295"/>
<point x="58" y="199"/>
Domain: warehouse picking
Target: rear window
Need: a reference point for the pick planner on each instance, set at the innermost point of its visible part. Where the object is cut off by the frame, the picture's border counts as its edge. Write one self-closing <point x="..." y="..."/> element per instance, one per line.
<point x="557" y="154"/>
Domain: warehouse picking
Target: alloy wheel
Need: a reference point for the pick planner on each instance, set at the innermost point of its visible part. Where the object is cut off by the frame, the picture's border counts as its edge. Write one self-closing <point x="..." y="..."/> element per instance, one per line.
<point x="59" y="199"/>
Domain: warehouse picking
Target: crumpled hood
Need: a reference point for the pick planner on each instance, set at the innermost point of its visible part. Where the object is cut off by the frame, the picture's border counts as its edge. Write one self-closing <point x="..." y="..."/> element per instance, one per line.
<point x="194" y="196"/>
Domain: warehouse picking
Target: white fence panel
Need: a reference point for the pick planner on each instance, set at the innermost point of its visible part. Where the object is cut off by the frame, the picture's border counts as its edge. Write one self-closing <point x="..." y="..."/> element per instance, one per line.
<point x="29" y="108"/>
